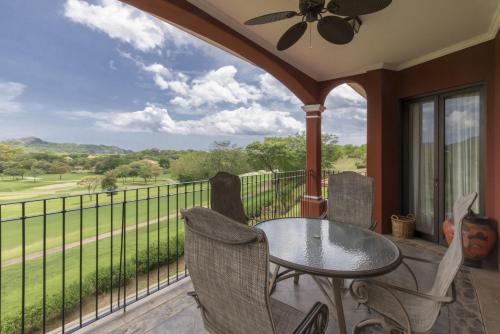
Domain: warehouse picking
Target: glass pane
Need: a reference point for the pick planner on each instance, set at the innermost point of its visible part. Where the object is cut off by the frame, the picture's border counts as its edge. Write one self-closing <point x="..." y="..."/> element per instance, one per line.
<point x="462" y="148"/>
<point x="422" y="140"/>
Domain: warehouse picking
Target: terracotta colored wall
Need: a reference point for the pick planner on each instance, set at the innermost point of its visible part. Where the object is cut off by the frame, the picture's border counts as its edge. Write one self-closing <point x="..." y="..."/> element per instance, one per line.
<point x="495" y="134"/>
<point x="473" y="65"/>
<point x="385" y="91"/>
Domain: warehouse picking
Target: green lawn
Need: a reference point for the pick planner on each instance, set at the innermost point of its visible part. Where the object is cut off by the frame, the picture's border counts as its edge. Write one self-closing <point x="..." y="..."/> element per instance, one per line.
<point x="136" y="213"/>
<point x="12" y="282"/>
<point x="50" y="185"/>
<point x="346" y="164"/>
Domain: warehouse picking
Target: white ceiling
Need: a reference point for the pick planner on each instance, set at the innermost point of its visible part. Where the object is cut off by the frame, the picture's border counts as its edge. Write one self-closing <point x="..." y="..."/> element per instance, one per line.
<point x="406" y="33"/>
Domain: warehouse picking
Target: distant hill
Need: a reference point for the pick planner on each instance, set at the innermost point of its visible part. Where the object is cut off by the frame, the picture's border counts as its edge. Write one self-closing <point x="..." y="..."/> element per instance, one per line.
<point x="37" y="145"/>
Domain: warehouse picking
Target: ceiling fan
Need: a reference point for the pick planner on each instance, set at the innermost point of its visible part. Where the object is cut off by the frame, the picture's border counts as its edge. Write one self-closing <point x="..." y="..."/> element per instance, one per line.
<point x="338" y="28"/>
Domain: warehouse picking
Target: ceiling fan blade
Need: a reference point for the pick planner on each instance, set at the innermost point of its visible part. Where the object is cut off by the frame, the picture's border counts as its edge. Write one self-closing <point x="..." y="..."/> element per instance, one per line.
<point x="335" y="30"/>
<point x="356" y="7"/>
<point x="273" y="17"/>
<point x="292" y="35"/>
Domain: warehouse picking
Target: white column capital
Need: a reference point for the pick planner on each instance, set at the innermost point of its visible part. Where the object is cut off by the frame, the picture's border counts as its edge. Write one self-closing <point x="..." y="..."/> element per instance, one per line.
<point x="309" y="108"/>
<point x="313" y="110"/>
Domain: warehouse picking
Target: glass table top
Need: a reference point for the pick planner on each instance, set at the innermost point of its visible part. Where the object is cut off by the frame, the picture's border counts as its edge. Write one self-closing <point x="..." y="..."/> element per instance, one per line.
<point x="327" y="248"/>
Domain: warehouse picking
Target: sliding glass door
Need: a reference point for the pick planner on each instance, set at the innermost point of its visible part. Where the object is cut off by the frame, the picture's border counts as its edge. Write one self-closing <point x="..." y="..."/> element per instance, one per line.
<point x="443" y="147"/>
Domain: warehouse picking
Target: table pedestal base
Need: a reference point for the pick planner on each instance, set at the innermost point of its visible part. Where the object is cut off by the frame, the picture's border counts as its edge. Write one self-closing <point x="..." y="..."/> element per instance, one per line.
<point x="337" y="286"/>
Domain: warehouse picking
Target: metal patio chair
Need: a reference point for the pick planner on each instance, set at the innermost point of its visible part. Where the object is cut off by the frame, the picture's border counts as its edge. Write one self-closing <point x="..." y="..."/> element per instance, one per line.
<point x="229" y="267"/>
<point x="414" y="311"/>
<point x="225" y="196"/>
<point x="350" y="199"/>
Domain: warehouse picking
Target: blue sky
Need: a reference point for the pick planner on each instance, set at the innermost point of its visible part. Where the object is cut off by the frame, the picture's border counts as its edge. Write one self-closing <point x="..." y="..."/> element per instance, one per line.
<point x="102" y="72"/>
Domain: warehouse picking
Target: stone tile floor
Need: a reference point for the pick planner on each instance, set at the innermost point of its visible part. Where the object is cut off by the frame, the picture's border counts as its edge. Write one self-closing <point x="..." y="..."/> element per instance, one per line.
<point x="477" y="309"/>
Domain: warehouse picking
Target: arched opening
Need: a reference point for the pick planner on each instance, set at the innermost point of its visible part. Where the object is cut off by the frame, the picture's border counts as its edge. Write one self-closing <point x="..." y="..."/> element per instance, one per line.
<point x="345" y="121"/>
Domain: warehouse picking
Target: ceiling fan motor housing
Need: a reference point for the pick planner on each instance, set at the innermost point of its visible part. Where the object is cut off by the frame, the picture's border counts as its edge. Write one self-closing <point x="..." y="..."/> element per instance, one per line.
<point x="311" y="9"/>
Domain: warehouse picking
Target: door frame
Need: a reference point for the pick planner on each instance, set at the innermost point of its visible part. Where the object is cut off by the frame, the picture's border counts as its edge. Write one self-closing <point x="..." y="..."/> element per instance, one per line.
<point x="439" y="98"/>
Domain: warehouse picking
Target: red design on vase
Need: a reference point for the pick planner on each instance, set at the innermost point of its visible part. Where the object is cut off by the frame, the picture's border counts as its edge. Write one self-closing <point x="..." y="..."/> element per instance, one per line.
<point x="479" y="236"/>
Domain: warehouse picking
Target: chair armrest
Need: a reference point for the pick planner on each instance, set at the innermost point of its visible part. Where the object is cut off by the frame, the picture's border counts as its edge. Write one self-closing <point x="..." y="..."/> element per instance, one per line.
<point x="440" y="299"/>
<point x="315" y="322"/>
<point x="412" y="273"/>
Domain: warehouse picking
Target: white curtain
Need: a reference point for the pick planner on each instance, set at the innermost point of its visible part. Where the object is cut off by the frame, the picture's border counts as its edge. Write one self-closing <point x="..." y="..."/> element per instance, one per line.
<point x="462" y="148"/>
<point x="422" y="143"/>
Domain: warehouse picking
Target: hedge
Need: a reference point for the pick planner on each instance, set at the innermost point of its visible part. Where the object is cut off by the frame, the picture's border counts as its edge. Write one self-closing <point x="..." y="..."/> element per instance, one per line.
<point x="53" y="306"/>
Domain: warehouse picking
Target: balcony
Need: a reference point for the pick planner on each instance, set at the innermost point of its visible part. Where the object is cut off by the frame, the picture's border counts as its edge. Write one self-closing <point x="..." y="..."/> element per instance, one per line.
<point x="114" y="262"/>
<point x="97" y="257"/>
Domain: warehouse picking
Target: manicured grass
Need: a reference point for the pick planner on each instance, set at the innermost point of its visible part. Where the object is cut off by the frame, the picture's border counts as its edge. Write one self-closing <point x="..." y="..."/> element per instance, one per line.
<point x="108" y="219"/>
<point x="8" y="184"/>
<point x="50" y="185"/>
<point x="12" y="276"/>
<point x="346" y="164"/>
<point x="172" y="199"/>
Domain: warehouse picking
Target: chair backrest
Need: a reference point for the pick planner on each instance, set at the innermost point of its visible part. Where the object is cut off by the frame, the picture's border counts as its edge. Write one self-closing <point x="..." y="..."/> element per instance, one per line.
<point x="229" y="267"/>
<point x="454" y="257"/>
<point x="225" y="196"/>
<point x="350" y="199"/>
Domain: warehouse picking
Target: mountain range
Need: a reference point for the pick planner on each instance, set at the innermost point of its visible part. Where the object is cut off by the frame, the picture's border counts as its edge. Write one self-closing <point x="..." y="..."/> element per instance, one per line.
<point x="37" y="145"/>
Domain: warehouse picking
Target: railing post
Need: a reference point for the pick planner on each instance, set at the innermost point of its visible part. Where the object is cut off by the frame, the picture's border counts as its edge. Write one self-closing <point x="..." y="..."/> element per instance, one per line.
<point x="313" y="204"/>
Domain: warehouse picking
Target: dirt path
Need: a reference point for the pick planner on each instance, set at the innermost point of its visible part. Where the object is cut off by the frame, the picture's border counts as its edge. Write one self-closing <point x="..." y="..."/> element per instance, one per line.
<point x="85" y="241"/>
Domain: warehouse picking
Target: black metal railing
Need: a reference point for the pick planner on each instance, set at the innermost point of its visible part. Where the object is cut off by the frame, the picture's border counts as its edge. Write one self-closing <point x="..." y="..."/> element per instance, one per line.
<point x="68" y="261"/>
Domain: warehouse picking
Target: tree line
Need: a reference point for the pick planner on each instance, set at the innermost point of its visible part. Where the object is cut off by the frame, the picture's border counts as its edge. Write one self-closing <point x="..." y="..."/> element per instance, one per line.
<point x="271" y="154"/>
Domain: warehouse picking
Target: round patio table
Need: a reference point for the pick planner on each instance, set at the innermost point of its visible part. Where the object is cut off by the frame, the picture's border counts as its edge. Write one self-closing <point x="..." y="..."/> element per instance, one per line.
<point x="326" y="249"/>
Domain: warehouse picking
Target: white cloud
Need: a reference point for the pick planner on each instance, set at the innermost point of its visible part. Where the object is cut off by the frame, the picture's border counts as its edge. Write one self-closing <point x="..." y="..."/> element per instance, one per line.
<point x="252" y="120"/>
<point x="274" y="89"/>
<point x="345" y="115"/>
<point x="9" y="92"/>
<point x="127" y="24"/>
<point x="157" y="69"/>
<point x="218" y="86"/>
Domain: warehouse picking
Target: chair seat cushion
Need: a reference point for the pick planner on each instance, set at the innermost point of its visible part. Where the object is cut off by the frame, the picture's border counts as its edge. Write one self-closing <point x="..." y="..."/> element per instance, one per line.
<point x="286" y="318"/>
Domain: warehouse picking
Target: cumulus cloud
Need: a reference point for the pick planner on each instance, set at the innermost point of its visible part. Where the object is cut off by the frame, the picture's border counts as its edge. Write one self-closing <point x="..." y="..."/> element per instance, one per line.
<point x="218" y="86"/>
<point x="274" y="89"/>
<point x="345" y="115"/>
<point x="252" y="120"/>
<point x="9" y="92"/>
<point x="127" y="24"/>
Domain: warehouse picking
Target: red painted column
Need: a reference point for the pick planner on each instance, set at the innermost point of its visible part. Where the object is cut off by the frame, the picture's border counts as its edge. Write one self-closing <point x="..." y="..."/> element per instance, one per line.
<point x="384" y="145"/>
<point x="313" y="205"/>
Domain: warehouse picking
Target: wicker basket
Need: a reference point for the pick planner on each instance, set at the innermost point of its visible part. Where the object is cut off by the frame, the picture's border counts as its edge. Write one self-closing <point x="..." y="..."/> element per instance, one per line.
<point x="403" y="226"/>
